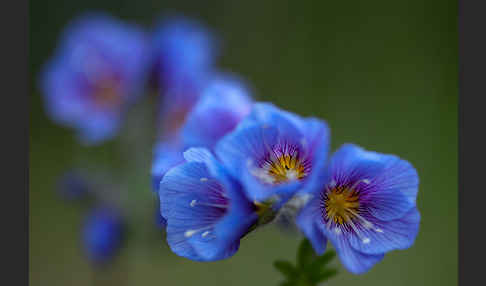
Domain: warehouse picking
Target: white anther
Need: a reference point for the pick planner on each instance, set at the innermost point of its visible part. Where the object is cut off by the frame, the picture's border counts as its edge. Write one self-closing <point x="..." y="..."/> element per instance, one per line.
<point x="379" y="230"/>
<point x="332" y="183"/>
<point x="367" y="224"/>
<point x="292" y="175"/>
<point x="203" y="179"/>
<point x="190" y="233"/>
<point x="262" y="175"/>
<point x="366" y="240"/>
<point x="205" y="233"/>
<point x="193" y="203"/>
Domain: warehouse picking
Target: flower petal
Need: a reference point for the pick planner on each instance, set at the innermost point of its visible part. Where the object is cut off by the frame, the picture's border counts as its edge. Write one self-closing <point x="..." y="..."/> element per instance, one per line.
<point x="317" y="142"/>
<point x="206" y="211"/>
<point x="387" y="194"/>
<point x="239" y="151"/>
<point x="354" y="261"/>
<point x="224" y="103"/>
<point x="268" y="114"/>
<point x="183" y="50"/>
<point x="388" y="235"/>
<point x="307" y="221"/>
<point x="179" y="187"/>
<point x="165" y="157"/>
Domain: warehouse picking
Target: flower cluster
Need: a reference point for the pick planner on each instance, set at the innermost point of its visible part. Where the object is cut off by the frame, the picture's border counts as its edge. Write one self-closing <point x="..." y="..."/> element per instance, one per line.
<point x="362" y="201"/>
<point x="223" y="163"/>
<point x="238" y="163"/>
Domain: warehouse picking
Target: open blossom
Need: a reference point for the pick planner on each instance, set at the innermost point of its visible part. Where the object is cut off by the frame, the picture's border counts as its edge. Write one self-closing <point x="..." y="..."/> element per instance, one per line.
<point x="223" y="104"/>
<point x="274" y="152"/>
<point x="98" y="70"/>
<point x="365" y="206"/>
<point x="206" y="211"/>
<point x="102" y="234"/>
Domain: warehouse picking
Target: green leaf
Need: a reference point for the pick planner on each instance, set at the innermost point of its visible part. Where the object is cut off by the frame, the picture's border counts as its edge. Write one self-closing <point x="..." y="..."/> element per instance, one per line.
<point x="286" y="268"/>
<point x="322" y="260"/>
<point x="309" y="270"/>
<point x="324" y="275"/>
<point x="305" y="254"/>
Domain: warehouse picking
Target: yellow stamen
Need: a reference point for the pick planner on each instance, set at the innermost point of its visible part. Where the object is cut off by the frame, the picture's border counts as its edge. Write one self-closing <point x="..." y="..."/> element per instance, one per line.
<point x="287" y="167"/>
<point x="341" y="205"/>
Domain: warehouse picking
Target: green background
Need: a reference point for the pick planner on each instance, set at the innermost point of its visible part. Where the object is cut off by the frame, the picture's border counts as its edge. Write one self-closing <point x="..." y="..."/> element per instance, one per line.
<point x="382" y="73"/>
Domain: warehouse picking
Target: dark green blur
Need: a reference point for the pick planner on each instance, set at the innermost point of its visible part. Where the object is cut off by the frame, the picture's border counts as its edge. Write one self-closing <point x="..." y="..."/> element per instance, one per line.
<point x="382" y="73"/>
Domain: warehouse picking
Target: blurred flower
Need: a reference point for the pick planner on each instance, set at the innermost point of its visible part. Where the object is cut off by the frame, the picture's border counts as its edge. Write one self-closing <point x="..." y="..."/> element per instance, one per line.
<point x="98" y="70"/>
<point x="102" y="234"/>
<point x="205" y="209"/>
<point x="224" y="102"/>
<point x="184" y="52"/>
<point x="166" y="155"/>
<point x="73" y="186"/>
<point x="365" y="206"/>
<point x="274" y="152"/>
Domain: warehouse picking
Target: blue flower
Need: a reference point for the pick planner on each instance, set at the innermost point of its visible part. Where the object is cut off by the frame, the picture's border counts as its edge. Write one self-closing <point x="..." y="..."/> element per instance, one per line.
<point x="98" y="70"/>
<point x="102" y="234"/>
<point x="184" y="51"/>
<point x="224" y="102"/>
<point x="274" y="152"/>
<point x="73" y="186"/>
<point x="205" y="209"/>
<point x="160" y="221"/>
<point x="167" y="154"/>
<point x="365" y="205"/>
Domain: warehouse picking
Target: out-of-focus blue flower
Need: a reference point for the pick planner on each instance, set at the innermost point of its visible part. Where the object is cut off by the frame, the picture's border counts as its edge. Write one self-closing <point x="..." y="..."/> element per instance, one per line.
<point x="73" y="186"/>
<point x="274" y="152"/>
<point x="365" y="205"/>
<point x="102" y="234"/>
<point x="224" y="102"/>
<point x="206" y="211"/>
<point x="184" y="52"/>
<point x="98" y="70"/>
<point x="166" y="155"/>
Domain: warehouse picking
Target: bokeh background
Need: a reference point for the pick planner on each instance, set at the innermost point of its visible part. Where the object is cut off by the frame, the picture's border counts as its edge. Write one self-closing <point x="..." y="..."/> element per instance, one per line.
<point x="382" y="73"/>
